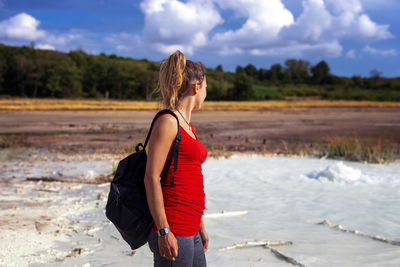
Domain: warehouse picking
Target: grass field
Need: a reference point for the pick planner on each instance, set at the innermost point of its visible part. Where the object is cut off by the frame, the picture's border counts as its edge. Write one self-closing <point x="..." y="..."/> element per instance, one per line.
<point x="106" y="104"/>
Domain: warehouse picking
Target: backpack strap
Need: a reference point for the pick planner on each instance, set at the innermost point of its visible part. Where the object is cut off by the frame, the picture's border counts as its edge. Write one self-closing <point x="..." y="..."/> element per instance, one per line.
<point x="174" y="151"/>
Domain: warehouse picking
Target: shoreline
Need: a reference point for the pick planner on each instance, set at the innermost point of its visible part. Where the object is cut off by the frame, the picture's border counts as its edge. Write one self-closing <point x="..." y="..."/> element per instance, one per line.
<point x="36" y="165"/>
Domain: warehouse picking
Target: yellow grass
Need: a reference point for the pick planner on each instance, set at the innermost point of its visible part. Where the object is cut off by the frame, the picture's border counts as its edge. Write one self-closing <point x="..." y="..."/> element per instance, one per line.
<point x="106" y="104"/>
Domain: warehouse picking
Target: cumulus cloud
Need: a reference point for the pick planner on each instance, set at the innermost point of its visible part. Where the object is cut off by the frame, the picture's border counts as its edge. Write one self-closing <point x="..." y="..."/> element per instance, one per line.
<point x="123" y="42"/>
<point x="172" y="24"/>
<point x="270" y="29"/>
<point x="24" y="27"/>
<point x="347" y="19"/>
<point x="328" y="49"/>
<point x="311" y="26"/>
<point x="45" y="47"/>
<point x="21" y="27"/>
<point x="374" y="51"/>
<point x="264" y="21"/>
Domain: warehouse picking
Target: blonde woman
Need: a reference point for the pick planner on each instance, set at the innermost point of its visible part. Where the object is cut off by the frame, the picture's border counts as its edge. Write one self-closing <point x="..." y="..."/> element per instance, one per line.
<point x="178" y="236"/>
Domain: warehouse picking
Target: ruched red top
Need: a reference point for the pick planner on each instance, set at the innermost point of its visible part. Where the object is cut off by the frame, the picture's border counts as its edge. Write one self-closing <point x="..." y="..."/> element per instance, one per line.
<point x="184" y="201"/>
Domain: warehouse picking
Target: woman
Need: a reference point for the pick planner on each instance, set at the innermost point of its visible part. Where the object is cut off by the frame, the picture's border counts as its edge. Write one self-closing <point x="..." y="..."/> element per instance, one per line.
<point x="178" y="237"/>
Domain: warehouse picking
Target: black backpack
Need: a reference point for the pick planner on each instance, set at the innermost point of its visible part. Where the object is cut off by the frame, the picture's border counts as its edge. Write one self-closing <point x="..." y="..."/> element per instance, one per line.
<point x="127" y="206"/>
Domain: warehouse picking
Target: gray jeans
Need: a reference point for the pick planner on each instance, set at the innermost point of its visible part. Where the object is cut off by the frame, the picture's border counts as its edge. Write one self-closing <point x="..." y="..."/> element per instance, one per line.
<point x="190" y="252"/>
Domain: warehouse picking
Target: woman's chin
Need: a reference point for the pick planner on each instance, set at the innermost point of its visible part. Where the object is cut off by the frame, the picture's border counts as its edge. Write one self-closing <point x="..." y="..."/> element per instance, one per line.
<point x="198" y="107"/>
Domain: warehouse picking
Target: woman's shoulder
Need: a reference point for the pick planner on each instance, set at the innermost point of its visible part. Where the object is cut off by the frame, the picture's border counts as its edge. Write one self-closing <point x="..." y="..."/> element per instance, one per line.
<point x="167" y="118"/>
<point x="166" y="122"/>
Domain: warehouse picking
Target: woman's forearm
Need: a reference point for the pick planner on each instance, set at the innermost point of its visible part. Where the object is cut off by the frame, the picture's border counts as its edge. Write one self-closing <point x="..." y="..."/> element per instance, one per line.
<point x="155" y="201"/>
<point x="202" y="227"/>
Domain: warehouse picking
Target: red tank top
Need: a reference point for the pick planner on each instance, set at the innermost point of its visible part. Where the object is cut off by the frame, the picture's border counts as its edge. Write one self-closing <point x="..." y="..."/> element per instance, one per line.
<point x="184" y="201"/>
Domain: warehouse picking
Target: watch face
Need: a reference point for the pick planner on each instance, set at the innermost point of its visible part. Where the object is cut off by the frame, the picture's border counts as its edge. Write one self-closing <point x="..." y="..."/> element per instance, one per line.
<point x="162" y="232"/>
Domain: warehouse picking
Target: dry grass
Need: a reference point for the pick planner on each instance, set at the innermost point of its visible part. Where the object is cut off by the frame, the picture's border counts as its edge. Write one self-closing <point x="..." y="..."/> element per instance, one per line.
<point x="292" y="105"/>
<point x="354" y="149"/>
<point x="75" y="104"/>
<point x="106" y="104"/>
<point x="9" y="141"/>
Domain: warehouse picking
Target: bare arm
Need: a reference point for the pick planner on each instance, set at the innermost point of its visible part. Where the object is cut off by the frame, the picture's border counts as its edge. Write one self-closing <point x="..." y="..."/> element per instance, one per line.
<point x="163" y="134"/>
<point x="203" y="235"/>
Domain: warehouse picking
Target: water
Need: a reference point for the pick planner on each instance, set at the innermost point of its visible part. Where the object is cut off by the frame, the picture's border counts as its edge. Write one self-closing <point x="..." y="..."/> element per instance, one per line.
<point x="268" y="199"/>
<point x="84" y="169"/>
<point x="285" y="197"/>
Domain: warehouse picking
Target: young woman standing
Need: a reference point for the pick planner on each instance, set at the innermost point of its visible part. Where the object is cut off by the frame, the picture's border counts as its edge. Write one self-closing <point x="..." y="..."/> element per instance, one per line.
<point x="178" y="237"/>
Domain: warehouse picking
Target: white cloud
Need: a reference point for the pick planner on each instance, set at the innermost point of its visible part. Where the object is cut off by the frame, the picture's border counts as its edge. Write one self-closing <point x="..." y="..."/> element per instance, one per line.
<point x="124" y="42"/>
<point x="374" y="51"/>
<point x="351" y="54"/>
<point x="328" y="49"/>
<point x="45" y="46"/>
<point x="264" y="19"/>
<point x="311" y="26"/>
<point x="21" y="27"/>
<point x="172" y="24"/>
<point x="368" y="28"/>
<point x="350" y="21"/>
<point x="270" y="28"/>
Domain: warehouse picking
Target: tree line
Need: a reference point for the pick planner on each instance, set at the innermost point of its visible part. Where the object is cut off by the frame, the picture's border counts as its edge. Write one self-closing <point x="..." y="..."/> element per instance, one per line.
<point x="29" y="72"/>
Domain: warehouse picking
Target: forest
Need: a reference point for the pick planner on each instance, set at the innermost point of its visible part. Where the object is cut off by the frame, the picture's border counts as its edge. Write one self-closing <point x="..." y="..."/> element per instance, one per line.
<point x="33" y="73"/>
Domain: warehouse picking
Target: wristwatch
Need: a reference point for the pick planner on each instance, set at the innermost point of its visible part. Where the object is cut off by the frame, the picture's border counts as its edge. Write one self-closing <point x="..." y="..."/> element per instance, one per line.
<point x="163" y="231"/>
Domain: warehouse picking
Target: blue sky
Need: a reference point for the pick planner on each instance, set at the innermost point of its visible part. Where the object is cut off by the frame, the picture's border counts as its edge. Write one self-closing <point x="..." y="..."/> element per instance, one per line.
<point x="353" y="36"/>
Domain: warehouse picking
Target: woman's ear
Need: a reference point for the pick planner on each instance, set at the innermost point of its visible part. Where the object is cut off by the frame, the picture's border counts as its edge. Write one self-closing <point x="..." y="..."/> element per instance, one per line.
<point x="195" y="88"/>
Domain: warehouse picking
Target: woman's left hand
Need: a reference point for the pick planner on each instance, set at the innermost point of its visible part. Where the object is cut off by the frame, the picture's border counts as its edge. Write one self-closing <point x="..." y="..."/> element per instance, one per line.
<point x="204" y="239"/>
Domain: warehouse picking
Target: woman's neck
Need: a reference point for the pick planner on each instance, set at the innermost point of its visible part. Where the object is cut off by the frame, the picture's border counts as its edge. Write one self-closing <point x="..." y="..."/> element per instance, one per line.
<point x="185" y="107"/>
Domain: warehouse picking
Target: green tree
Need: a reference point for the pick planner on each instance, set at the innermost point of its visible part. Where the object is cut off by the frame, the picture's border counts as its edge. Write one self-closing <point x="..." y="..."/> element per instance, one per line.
<point x="63" y="78"/>
<point x="219" y="68"/>
<point x="298" y="70"/>
<point x="21" y="68"/>
<point x="239" y="69"/>
<point x="243" y="87"/>
<point x="357" y="81"/>
<point x="263" y="74"/>
<point x="35" y="76"/>
<point x="321" y="73"/>
<point x="276" y="73"/>
<point x="3" y="67"/>
<point x="251" y="70"/>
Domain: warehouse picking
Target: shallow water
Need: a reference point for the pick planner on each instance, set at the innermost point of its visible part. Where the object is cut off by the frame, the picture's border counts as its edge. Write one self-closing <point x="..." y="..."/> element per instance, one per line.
<point x="84" y="169"/>
<point x="285" y="196"/>
<point x="275" y="198"/>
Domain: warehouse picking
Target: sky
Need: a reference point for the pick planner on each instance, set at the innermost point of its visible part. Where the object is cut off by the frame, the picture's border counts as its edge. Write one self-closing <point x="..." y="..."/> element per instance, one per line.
<point x="353" y="36"/>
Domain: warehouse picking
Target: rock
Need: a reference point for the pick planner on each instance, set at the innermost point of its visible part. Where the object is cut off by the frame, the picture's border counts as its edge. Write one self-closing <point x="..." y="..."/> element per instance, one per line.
<point x="40" y="227"/>
<point x="75" y="252"/>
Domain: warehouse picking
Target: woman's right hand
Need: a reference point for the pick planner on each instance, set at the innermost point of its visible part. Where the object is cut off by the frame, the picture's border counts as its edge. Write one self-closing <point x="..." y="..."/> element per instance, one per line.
<point x="168" y="246"/>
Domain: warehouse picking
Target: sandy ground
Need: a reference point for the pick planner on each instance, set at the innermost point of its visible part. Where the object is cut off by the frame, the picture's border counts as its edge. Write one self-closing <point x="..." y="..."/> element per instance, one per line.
<point x="50" y="222"/>
<point x="220" y="131"/>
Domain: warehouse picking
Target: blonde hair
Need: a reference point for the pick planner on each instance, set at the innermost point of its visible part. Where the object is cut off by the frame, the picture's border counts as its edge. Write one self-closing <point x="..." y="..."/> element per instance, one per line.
<point x="176" y="75"/>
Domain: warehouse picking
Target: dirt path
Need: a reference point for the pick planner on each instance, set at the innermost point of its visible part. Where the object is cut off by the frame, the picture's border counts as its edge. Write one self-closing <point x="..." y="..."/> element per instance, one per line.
<point x="221" y="131"/>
